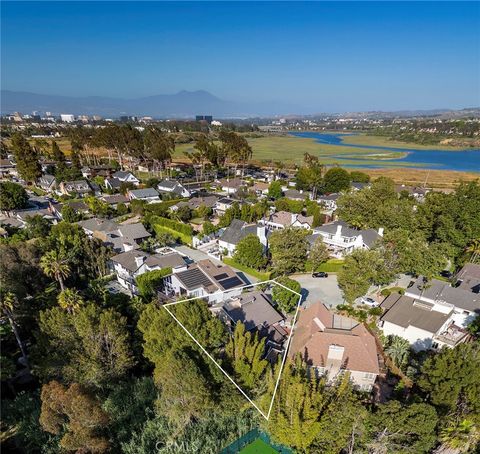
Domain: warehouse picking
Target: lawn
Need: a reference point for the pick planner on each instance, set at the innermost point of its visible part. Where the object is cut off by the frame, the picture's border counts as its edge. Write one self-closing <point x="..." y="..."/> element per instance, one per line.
<point x="258" y="447"/>
<point x="258" y="274"/>
<point x="330" y="266"/>
<point x="381" y="141"/>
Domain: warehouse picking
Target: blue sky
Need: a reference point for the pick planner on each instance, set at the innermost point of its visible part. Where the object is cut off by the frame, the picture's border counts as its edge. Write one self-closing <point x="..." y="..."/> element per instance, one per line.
<point x="317" y="56"/>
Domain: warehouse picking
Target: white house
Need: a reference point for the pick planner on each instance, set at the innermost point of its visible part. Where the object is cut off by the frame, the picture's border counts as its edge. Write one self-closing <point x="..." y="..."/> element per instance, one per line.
<point x="131" y="264"/>
<point x="204" y="279"/>
<point x="238" y="230"/>
<point x="231" y="185"/>
<point x="329" y="201"/>
<point x="425" y="326"/>
<point x="173" y="186"/>
<point x="341" y="239"/>
<point x="150" y="195"/>
<point x="283" y="219"/>
<point x="126" y="177"/>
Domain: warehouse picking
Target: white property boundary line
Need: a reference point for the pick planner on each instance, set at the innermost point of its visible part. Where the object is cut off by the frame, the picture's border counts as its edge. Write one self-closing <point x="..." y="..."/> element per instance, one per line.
<point x="267" y="416"/>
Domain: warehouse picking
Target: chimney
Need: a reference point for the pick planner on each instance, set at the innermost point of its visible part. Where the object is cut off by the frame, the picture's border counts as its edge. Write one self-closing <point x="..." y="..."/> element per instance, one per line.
<point x="339" y="230"/>
<point x="335" y="352"/>
<point x="293" y="218"/>
<point x="380" y="231"/>
<point x="140" y="260"/>
<point x="262" y="234"/>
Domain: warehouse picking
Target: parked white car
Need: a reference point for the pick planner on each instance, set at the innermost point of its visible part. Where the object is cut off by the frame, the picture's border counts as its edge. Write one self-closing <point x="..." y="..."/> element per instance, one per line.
<point x="365" y="300"/>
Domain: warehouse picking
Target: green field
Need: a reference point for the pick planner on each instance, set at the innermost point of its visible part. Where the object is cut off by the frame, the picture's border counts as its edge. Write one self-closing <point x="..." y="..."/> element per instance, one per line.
<point x="258" y="447"/>
<point x="258" y="274"/>
<point x="290" y="150"/>
<point x="380" y="141"/>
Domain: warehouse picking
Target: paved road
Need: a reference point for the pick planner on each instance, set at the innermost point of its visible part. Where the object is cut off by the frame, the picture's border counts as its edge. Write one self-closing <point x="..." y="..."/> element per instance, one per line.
<point x="320" y="289"/>
<point x="197" y="255"/>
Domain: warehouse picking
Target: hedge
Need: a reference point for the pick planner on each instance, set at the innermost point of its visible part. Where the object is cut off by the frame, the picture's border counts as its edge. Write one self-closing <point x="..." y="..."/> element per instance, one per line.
<point x="149" y="282"/>
<point x="176" y="226"/>
<point x="178" y="236"/>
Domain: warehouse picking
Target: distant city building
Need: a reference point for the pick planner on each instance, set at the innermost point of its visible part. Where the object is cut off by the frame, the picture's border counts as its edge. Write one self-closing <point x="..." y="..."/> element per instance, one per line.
<point x="207" y="118"/>
<point x="67" y="118"/>
<point x="97" y="118"/>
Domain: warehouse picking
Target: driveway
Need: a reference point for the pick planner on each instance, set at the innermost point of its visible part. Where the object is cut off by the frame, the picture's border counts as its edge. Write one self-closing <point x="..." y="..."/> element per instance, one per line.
<point x="319" y="289"/>
<point x="197" y="255"/>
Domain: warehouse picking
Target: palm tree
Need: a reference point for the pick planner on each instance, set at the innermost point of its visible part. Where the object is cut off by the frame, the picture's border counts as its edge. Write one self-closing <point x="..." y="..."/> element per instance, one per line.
<point x="460" y="437"/>
<point x="398" y="349"/>
<point x="56" y="265"/>
<point x="8" y="304"/>
<point x="70" y="300"/>
<point x="474" y="249"/>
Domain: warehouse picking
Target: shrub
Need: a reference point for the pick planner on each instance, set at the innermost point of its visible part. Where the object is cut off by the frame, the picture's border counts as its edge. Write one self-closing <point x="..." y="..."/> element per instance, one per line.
<point x="148" y="283"/>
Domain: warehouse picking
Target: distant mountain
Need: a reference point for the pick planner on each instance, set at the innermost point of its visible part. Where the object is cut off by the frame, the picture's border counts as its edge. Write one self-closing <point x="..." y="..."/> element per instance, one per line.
<point x="183" y="104"/>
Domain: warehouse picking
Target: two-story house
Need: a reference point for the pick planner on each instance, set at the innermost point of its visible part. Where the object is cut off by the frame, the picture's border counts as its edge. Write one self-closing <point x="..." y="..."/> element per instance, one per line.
<point x="341" y="239"/>
<point x="332" y="345"/>
<point x="430" y="315"/>
<point x="173" y="187"/>
<point x="238" y="230"/>
<point x="126" y="177"/>
<point x="283" y="219"/>
<point x="131" y="264"/>
<point x="204" y="279"/>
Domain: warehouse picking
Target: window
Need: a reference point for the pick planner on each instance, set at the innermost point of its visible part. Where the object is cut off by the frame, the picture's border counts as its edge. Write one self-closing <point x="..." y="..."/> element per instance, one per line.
<point x="368" y="376"/>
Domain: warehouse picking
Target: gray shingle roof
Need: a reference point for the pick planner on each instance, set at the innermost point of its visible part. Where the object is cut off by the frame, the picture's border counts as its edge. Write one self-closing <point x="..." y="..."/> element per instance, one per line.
<point x="404" y="311"/>
<point x="253" y="309"/>
<point x="237" y="231"/>
<point x="442" y="291"/>
<point x="143" y="193"/>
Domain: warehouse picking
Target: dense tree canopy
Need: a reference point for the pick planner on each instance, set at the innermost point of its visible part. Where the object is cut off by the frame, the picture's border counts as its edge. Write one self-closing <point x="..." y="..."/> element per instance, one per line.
<point x="288" y="248"/>
<point x="250" y="252"/>
<point x="12" y="196"/>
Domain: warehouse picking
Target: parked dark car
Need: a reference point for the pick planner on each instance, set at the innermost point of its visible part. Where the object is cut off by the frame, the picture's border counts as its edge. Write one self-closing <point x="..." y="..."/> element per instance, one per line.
<point x="320" y="274"/>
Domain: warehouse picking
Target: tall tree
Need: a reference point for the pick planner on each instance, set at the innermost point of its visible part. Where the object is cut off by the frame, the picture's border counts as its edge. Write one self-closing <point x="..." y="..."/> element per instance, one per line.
<point x="250" y="252"/>
<point x="288" y="248"/>
<point x="76" y="415"/>
<point x="286" y="299"/>
<point x="452" y="378"/>
<point x="159" y="146"/>
<point x="56" y="265"/>
<point x="26" y="158"/>
<point x="245" y="353"/>
<point x="318" y="253"/>
<point x="90" y="346"/>
<point x="8" y="306"/>
<point x="336" y="179"/>
<point x="12" y="196"/>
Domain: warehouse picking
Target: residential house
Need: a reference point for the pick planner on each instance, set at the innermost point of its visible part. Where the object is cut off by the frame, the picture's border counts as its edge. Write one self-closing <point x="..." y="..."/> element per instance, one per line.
<point x="328" y="201"/>
<point x="115" y="199"/>
<point x="468" y="278"/>
<point x="333" y="345"/>
<point x="341" y="239"/>
<point x="425" y="325"/>
<point x="7" y="168"/>
<point x="126" y="177"/>
<point x="78" y="206"/>
<point x="149" y="195"/>
<point x="113" y="183"/>
<point x="96" y="171"/>
<point x="196" y="202"/>
<point x="121" y="237"/>
<point x="223" y="204"/>
<point x="255" y="310"/>
<point x="47" y="183"/>
<point x="359" y="186"/>
<point x="204" y="279"/>
<point x="80" y="188"/>
<point x="238" y="230"/>
<point x="131" y="264"/>
<point x="283" y="219"/>
<point x="418" y="193"/>
<point x="295" y="194"/>
<point x="464" y="303"/>
<point x="260" y="188"/>
<point x="173" y="187"/>
<point x="231" y="185"/>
